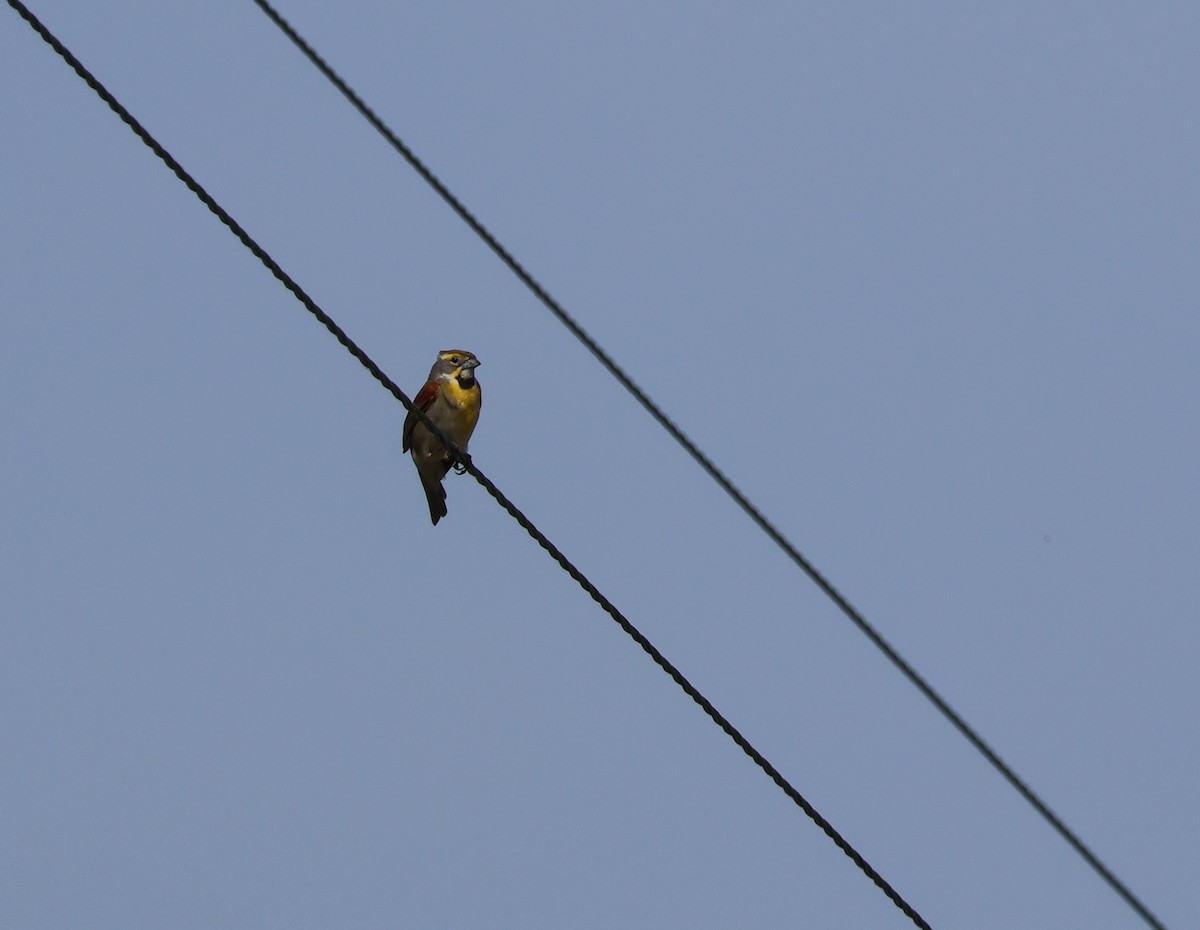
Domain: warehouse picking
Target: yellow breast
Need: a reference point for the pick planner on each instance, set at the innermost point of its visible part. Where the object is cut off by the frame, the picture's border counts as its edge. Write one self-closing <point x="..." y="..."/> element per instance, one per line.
<point x="466" y="402"/>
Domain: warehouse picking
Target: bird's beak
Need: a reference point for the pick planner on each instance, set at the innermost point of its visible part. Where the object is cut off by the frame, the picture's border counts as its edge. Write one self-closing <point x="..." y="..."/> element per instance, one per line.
<point x="471" y="364"/>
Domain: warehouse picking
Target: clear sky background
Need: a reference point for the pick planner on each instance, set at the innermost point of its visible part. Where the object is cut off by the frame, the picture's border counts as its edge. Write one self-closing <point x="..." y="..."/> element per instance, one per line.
<point x="922" y="278"/>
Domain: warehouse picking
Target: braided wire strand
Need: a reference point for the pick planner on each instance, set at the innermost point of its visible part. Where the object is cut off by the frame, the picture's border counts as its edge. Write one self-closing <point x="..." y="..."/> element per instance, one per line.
<point x="556" y="554"/>
<point x="723" y="481"/>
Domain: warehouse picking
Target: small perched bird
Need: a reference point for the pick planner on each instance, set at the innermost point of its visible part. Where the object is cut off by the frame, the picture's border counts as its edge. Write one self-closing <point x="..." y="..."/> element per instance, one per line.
<point x="451" y="399"/>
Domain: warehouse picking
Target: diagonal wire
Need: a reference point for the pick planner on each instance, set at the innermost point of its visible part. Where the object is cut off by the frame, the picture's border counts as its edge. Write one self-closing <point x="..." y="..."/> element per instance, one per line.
<point x="378" y="373"/>
<point x="960" y="724"/>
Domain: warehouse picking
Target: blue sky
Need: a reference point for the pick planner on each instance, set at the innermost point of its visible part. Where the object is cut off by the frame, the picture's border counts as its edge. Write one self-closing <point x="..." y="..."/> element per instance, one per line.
<point x="922" y="279"/>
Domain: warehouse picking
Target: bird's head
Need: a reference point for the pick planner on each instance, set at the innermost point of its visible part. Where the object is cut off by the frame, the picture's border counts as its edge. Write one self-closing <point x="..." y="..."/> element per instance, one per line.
<point x="455" y="364"/>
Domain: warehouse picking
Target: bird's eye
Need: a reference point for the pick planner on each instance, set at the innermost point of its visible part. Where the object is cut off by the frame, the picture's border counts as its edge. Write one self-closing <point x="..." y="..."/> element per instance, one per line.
<point x="454" y="359"/>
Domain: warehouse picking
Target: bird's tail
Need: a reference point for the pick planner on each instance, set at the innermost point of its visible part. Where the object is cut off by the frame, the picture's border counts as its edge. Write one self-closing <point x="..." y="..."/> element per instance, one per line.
<point x="436" y="495"/>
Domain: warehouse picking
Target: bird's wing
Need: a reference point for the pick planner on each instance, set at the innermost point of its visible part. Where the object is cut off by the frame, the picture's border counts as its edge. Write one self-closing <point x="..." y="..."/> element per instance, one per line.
<point x="423" y="400"/>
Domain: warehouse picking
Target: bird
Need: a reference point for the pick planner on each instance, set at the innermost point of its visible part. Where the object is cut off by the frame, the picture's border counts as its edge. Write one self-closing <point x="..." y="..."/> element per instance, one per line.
<point x="451" y="398"/>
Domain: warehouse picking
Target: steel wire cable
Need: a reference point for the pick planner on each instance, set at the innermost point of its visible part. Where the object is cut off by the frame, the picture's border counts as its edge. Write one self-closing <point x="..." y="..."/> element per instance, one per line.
<point x="465" y="460"/>
<point x="723" y="481"/>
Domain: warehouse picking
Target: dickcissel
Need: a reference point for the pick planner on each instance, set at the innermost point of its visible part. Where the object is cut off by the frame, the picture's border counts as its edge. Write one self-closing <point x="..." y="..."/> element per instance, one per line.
<point x="451" y="399"/>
